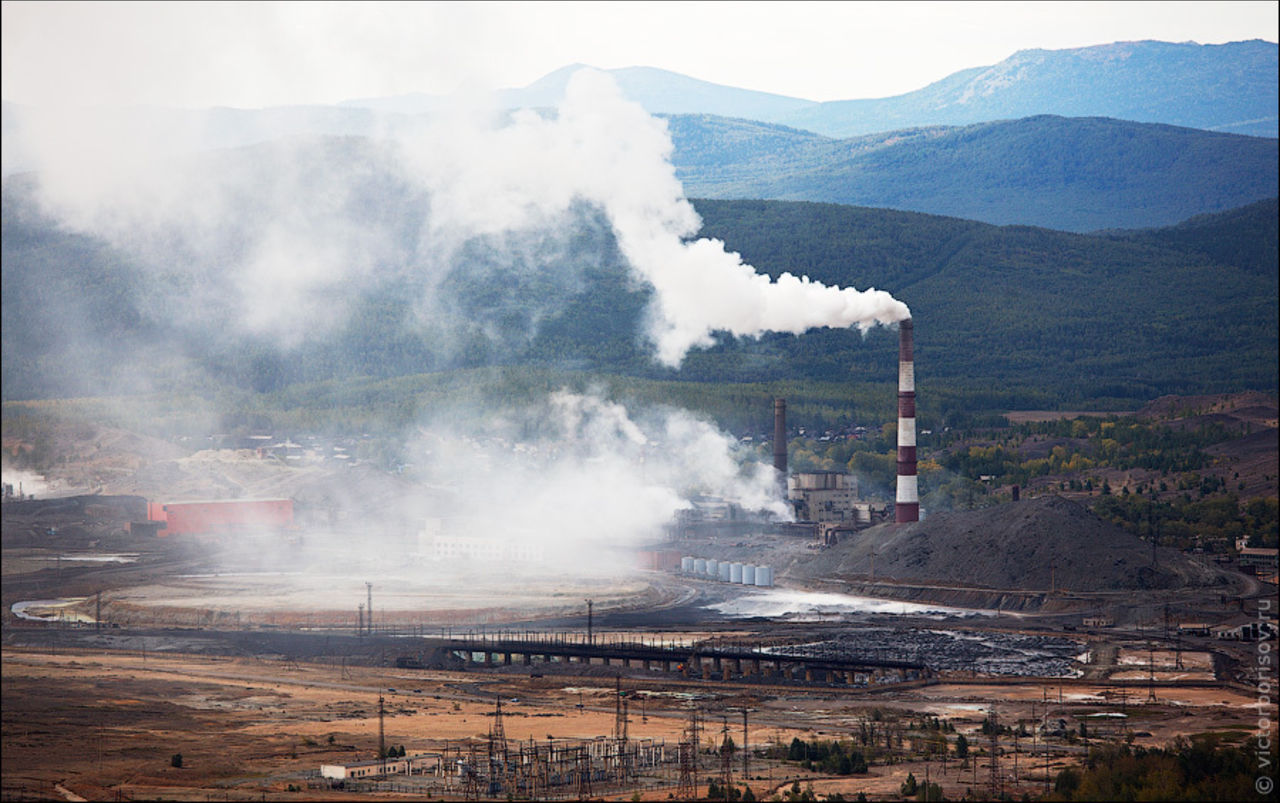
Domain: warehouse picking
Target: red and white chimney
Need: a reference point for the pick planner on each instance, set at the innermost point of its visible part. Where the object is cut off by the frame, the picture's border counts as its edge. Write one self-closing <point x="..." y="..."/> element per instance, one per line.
<point x="907" y="508"/>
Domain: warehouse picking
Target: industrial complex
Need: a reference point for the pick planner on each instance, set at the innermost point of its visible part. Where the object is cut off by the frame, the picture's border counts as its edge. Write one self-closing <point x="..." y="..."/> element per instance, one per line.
<point x="456" y="661"/>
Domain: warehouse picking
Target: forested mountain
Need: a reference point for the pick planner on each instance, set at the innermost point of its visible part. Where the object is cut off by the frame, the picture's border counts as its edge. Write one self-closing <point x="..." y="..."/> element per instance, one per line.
<point x="1107" y="319"/>
<point x="1229" y="87"/>
<point x="1075" y="174"/>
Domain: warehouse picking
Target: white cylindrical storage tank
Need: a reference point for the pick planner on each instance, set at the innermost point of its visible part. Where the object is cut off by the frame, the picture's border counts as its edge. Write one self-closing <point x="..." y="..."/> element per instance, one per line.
<point x="764" y="576"/>
<point x="735" y="572"/>
<point x="713" y="568"/>
<point x="749" y="574"/>
<point x="686" y="564"/>
<point x="699" y="566"/>
<point x="723" y="567"/>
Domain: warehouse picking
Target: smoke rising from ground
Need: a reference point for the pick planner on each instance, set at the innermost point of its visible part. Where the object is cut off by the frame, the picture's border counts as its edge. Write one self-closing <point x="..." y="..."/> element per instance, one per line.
<point x="580" y="474"/>
<point x="567" y="487"/>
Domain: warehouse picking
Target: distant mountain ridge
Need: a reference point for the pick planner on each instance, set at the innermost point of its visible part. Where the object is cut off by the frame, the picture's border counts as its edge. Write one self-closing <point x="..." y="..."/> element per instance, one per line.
<point x="1073" y="174"/>
<point x="1231" y="87"/>
<point x="659" y="91"/>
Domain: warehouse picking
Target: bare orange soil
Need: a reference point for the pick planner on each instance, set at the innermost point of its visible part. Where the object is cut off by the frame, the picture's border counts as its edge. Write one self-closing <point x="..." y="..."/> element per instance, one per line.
<point x="106" y="725"/>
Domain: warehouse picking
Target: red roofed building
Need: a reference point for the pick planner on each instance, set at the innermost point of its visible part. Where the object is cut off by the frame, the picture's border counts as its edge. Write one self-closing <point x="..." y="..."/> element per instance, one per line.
<point x="220" y="516"/>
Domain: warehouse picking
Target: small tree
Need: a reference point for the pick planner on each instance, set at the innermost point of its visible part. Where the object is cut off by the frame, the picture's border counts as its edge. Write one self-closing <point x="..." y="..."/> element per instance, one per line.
<point x="962" y="747"/>
<point x="909" y="786"/>
<point x="176" y="760"/>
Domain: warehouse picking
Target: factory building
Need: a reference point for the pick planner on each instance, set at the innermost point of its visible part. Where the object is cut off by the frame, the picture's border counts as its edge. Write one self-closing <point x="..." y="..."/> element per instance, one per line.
<point x="412" y="765"/>
<point x="830" y="497"/>
<point x="214" y="517"/>
<point x="450" y="540"/>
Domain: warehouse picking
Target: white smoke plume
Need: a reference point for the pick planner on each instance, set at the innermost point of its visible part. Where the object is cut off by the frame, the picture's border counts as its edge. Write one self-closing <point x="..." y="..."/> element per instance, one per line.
<point x="610" y="152"/>
<point x="303" y="245"/>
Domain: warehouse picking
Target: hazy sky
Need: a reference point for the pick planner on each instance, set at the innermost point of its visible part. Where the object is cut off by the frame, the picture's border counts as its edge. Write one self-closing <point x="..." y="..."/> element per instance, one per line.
<point x="258" y="54"/>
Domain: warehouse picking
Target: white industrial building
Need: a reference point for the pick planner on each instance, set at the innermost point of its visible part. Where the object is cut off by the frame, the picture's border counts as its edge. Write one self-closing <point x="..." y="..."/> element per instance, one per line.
<point x="410" y="765"/>
<point x="451" y="540"/>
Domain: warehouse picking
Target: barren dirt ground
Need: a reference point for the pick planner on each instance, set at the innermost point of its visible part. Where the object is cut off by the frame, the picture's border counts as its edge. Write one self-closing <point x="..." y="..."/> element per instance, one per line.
<point x="106" y="725"/>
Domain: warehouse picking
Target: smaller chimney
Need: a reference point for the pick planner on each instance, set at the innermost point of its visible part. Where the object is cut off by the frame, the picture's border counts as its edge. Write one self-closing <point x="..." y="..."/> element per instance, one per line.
<point x="780" y="440"/>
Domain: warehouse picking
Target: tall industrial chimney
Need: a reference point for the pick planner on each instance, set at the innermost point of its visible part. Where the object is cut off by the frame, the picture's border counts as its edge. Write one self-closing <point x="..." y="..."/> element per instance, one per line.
<point x="907" y="508"/>
<point x="780" y="439"/>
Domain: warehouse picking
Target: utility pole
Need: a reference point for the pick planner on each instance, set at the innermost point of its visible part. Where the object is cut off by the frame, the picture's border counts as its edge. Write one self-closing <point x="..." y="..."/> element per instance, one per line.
<point x="369" y="587"/>
<point x="382" y="744"/>
<point x="995" y="756"/>
<point x="745" y="752"/>
<point x="590" y="636"/>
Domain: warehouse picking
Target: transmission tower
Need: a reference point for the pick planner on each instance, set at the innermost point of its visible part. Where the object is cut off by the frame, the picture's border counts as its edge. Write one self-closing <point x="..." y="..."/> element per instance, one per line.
<point x="498" y="762"/>
<point x="619" y="712"/>
<point x="584" y="774"/>
<point x="688" y="749"/>
<point x="726" y="759"/>
<point x="688" y="786"/>
<point x="470" y="777"/>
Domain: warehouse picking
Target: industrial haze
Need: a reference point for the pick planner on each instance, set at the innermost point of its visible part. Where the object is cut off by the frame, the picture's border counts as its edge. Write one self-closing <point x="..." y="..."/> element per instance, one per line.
<point x="280" y="243"/>
<point x="282" y="254"/>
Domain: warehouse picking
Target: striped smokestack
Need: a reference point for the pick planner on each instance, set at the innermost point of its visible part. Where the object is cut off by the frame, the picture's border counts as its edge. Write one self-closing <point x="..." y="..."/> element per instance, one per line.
<point x="908" y="503"/>
<point x="780" y="439"/>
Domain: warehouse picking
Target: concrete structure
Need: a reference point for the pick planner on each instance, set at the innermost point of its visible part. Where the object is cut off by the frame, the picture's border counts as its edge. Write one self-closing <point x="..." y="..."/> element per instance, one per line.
<point x="412" y="765"/>
<point x="1260" y="559"/>
<point x="829" y="496"/>
<point x="907" y="507"/>
<point x="719" y="662"/>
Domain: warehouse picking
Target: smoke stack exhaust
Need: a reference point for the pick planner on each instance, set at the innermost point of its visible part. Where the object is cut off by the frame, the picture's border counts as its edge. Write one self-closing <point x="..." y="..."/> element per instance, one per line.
<point x="780" y="440"/>
<point x="907" y="508"/>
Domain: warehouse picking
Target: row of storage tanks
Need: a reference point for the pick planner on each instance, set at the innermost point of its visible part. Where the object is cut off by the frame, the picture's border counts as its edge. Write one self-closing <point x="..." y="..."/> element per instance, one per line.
<point x="743" y="573"/>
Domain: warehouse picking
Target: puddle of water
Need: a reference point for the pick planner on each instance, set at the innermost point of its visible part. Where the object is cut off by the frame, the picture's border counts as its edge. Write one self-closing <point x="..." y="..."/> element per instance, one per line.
<point x="121" y="558"/>
<point x="50" y="610"/>
<point x="814" y="606"/>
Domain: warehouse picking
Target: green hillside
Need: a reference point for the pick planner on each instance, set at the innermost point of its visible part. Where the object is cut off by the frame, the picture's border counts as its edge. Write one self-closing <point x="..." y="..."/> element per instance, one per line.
<point x="1074" y="174"/>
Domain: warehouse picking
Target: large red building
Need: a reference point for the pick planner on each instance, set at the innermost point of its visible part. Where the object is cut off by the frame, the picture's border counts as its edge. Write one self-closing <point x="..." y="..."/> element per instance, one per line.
<point x="221" y="516"/>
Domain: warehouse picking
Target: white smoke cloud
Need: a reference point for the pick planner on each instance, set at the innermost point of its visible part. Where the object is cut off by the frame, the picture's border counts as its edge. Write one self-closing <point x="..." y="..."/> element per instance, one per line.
<point x="610" y="152"/>
<point x="300" y="244"/>
<point x="596" y="478"/>
<point x="23" y="481"/>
